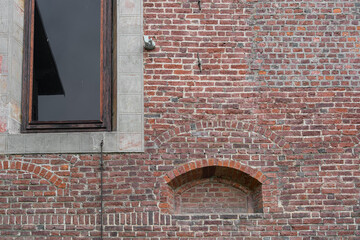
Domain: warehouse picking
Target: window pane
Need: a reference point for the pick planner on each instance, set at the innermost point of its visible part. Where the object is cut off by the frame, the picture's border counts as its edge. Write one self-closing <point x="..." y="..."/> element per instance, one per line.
<point x="66" y="60"/>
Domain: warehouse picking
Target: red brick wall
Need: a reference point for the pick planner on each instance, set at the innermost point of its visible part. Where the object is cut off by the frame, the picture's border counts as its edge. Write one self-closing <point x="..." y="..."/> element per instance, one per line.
<point x="212" y="197"/>
<point x="278" y="99"/>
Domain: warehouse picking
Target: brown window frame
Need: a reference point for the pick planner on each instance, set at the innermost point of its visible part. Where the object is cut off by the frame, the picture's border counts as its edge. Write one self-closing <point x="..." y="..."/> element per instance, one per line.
<point x="104" y="124"/>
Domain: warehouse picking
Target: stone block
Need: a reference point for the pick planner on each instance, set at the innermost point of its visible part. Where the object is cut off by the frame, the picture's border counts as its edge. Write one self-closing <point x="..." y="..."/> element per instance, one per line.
<point x="15" y="110"/>
<point x="129" y="84"/>
<point x="4" y="25"/>
<point x="15" y="143"/>
<point x="111" y="142"/>
<point x="14" y="88"/>
<point x="4" y="9"/>
<point x="4" y="100"/>
<point x="3" y="44"/>
<point x="18" y="13"/>
<point x="3" y="124"/>
<point x="129" y="104"/>
<point x="52" y="143"/>
<point x="130" y="142"/>
<point x="90" y="142"/>
<point x="3" y="84"/>
<point x="3" y="143"/>
<point x="4" y="64"/>
<point x="130" y="44"/>
<point x="130" y="64"/>
<point x="35" y="143"/>
<point x="129" y="6"/>
<point x="129" y="25"/>
<point x="70" y="143"/>
<point x="17" y="33"/>
<point x="13" y="126"/>
<point x="130" y="123"/>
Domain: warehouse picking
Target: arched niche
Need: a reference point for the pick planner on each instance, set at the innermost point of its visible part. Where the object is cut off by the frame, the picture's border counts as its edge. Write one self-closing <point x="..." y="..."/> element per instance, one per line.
<point x="213" y="189"/>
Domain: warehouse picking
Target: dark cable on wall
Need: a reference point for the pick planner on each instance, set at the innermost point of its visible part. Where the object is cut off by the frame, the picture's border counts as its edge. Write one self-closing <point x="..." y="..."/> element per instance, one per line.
<point x="101" y="188"/>
<point x="199" y="3"/>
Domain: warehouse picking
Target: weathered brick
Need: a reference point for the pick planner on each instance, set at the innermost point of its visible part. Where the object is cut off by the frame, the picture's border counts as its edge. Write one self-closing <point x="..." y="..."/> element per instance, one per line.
<point x="276" y="101"/>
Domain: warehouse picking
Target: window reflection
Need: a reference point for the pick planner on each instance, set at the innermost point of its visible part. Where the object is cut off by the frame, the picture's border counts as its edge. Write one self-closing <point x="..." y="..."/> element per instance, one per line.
<point x="66" y="60"/>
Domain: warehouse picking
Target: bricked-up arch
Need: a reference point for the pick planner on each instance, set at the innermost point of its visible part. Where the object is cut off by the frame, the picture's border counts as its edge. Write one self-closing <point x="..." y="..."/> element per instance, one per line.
<point x="35" y="169"/>
<point x="245" y="181"/>
<point x="249" y="127"/>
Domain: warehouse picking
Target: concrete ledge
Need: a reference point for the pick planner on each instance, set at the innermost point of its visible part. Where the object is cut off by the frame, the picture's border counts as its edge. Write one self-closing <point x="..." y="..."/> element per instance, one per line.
<point x="71" y="142"/>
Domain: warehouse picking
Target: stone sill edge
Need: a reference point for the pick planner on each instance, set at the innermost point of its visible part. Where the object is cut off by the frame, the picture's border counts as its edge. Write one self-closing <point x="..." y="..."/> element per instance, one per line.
<point x="72" y="143"/>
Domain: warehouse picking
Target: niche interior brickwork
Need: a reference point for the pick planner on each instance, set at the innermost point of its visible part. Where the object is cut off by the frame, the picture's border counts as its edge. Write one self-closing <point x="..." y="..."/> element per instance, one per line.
<point x="211" y="186"/>
<point x="212" y="196"/>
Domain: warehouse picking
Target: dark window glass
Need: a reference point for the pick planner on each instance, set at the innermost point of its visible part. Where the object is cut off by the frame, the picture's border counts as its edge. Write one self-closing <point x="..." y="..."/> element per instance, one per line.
<point x="67" y="66"/>
<point x="66" y="71"/>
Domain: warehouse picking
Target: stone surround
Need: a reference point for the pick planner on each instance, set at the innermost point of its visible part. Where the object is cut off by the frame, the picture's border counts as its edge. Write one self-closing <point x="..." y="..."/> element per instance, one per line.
<point x="128" y="135"/>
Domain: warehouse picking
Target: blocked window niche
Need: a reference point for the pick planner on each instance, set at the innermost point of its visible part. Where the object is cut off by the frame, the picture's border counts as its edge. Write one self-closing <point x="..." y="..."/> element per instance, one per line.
<point x="215" y="189"/>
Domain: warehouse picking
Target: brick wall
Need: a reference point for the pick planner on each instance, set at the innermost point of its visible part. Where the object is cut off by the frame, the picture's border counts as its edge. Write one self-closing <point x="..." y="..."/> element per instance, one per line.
<point x="276" y="104"/>
<point x="212" y="197"/>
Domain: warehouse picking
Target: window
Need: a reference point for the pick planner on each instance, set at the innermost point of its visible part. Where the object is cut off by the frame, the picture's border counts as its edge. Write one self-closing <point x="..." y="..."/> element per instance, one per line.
<point x="127" y="128"/>
<point x="67" y="66"/>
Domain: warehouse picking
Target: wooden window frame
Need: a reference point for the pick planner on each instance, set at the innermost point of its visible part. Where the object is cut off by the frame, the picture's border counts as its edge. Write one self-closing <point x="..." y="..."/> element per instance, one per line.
<point x="104" y="124"/>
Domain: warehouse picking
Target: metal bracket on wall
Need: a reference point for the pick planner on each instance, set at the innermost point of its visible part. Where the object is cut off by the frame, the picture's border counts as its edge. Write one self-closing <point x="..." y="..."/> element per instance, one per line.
<point x="149" y="43"/>
<point x="199" y="3"/>
<point x="199" y="62"/>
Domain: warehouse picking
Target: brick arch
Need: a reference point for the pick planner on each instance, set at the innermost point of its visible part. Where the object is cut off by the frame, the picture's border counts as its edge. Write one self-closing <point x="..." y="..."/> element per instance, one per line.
<point x="172" y="176"/>
<point x="232" y="172"/>
<point x="249" y="127"/>
<point x="34" y="169"/>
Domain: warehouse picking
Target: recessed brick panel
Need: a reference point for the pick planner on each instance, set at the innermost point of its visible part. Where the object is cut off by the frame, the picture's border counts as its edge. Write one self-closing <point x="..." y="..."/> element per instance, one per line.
<point x="212" y="187"/>
<point x="212" y="197"/>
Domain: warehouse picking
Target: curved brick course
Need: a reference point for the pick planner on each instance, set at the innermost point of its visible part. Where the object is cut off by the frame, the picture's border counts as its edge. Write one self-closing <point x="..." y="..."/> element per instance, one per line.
<point x="191" y="166"/>
<point x="35" y="169"/>
<point x="271" y="135"/>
